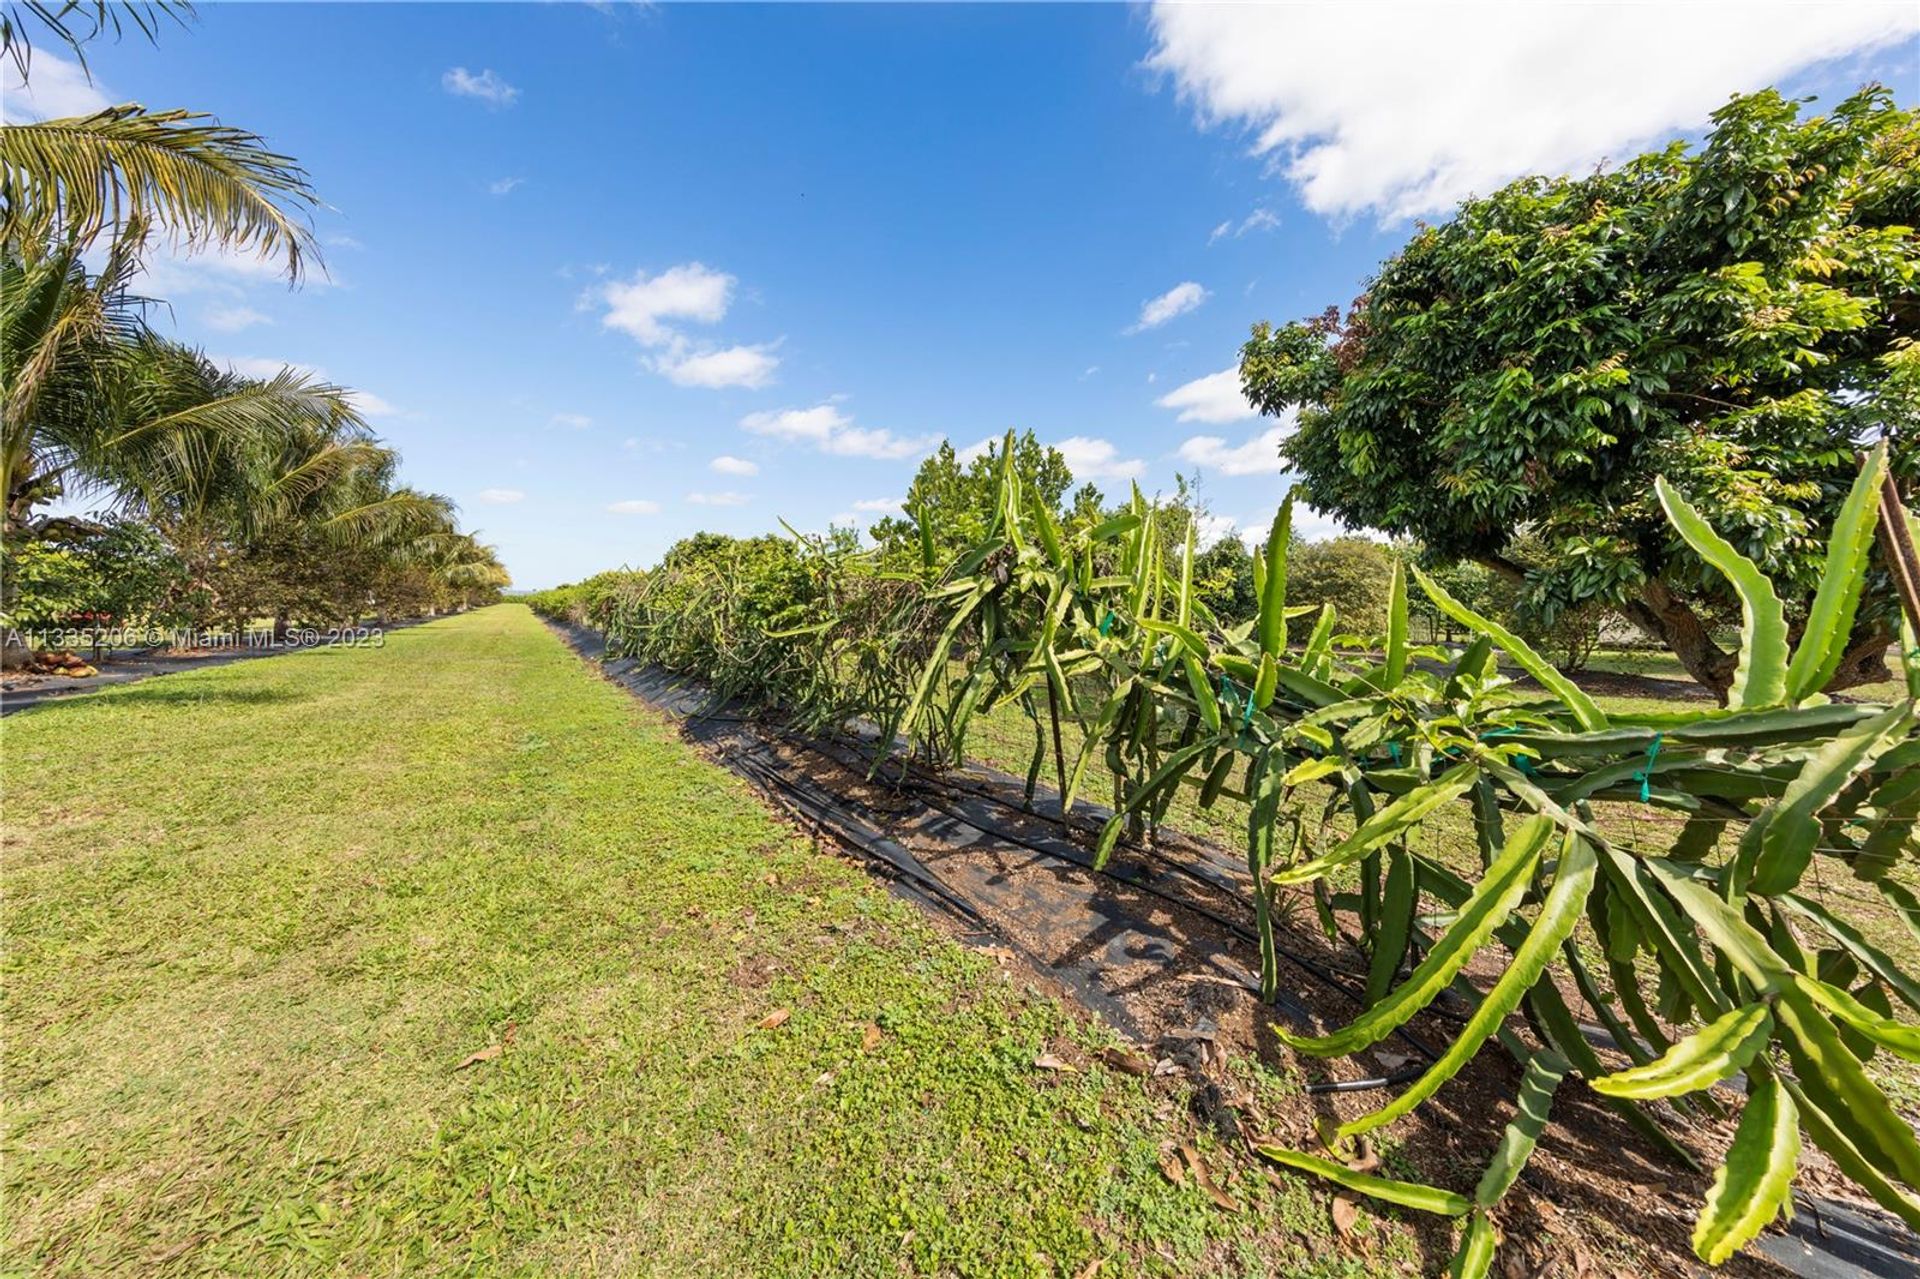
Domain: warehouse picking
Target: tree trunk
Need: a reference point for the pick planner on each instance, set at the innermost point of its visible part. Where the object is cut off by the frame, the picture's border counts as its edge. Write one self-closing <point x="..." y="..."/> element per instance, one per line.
<point x="1865" y="661"/>
<point x="15" y="654"/>
<point x="1667" y="618"/>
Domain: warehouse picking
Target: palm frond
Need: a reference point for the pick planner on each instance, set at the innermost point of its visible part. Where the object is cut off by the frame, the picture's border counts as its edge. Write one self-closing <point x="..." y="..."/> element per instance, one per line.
<point x="64" y="22"/>
<point x="207" y="184"/>
<point x="399" y="515"/>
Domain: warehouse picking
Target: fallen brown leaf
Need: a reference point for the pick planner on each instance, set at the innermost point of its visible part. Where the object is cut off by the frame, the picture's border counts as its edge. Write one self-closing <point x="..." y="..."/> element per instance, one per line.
<point x="1047" y="1061"/>
<point x="1346" y="1215"/>
<point x="775" y="1019"/>
<point x="1170" y="1167"/>
<point x="508" y="1035"/>
<point x="1126" y="1062"/>
<point x="870" y="1040"/>
<point x="1091" y="1269"/>
<point x="485" y="1054"/>
<point x="1204" y="1179"/>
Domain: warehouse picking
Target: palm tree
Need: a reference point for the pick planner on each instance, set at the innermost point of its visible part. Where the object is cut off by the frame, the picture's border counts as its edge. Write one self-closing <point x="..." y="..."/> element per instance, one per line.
<point x="277" y="472"/>
<point x="64" y="183"/>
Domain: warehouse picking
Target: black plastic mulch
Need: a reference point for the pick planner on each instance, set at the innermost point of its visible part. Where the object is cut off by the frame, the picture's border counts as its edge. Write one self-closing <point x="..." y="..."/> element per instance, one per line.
<point x="962" y="847"/>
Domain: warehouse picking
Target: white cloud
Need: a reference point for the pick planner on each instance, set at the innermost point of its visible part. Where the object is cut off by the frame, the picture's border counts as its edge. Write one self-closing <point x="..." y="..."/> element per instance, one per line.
<point x="232" y="319"/>
<point x="181" y="270"/>
<point x="499" y="497"/>
<point x="262" y="367"/>
<point x="640" y="307"/>
<point x="1310" y="524"/>
<point x="826" y="428"/>
<point x="342" y="241"/>
<point x="504" y="186"/>
<point x="748" y="366"/>
<point x="883" y="445"/>
<point x="808" y="426"/>
<point x="1213" y="528"/>
<point x="55" y="88"/>
<point x="976" y="449"/>
<point x="487" y="86"/>
<point x="1258" y="456"/>
<point x="570" y="421"/>
<point x="1091" y="459"/>
<point x="727" y="465"/>
<point x="689" y="293"/>
<point x="718" y="499"/>
<point x="1313" y="525"/>
<point x="367" y="404"/>
<point x="635" y="506"/>
<point x="1258" y="220"/>
<point x="1172" y="304"/>
<point x="1214" y="398"/>
<point x="1091" y="370"/>
<point x="1406" y="109"/>
<point x="881" y="505"/>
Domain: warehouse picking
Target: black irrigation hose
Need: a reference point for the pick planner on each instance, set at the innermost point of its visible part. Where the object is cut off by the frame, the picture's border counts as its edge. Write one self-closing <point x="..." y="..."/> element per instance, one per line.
<point x="1394" y="1080"/>
<point x="1332" y="978"/>
<point x="921" y="781"/>
<point x="921" y="881"/>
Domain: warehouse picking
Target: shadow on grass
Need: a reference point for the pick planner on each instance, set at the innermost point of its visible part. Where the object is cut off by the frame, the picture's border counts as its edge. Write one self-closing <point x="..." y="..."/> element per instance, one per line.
<point x="174" y="696"/>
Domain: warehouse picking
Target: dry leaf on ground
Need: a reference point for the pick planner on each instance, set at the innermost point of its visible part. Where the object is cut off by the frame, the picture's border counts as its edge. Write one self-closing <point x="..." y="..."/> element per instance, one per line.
<point x="870" y="1040"/>
<point x="1346" y="1215"/>
<point x="775" y="1019"/>
<point x="485" y="1054"/>
<point x="1204" y="1179"/>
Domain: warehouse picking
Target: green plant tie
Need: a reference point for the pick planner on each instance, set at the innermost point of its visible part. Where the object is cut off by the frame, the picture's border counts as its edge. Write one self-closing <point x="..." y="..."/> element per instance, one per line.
<point x="1106" y="623"/>
<point x="1521" y="762"/>
<point x="1393" y="749"/>
<point x="1645" y="775"/>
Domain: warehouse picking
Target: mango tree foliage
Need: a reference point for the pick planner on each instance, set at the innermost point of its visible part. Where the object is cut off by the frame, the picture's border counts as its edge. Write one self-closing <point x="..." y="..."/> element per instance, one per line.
<point x="1739" y="318"/>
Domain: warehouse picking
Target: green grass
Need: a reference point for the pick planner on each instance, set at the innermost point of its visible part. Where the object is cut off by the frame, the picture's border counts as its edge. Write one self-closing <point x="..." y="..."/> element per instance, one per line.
<point x="257" y="917"/>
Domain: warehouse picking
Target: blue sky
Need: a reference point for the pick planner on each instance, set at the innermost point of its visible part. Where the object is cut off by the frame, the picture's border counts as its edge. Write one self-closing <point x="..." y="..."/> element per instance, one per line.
<point x="607" y="275"/>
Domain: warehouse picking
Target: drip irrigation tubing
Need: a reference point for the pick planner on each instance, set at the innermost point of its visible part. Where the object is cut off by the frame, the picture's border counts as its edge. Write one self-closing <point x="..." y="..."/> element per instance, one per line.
<point x="924" y="791"/>
<point x="929" y="888"/>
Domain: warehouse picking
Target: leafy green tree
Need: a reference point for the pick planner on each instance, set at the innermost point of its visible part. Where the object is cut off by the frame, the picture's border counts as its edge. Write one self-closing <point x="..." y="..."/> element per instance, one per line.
<point x="1223" y="580"/>
<point x="956" y="496"/>
<point x="1354" y="574"/>
<point x="88" y="574"/>
<point x="1740" y="318"/>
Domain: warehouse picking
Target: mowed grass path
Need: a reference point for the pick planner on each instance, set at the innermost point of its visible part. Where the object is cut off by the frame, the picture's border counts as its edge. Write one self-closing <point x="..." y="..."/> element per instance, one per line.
<point x="256" y="918"/>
